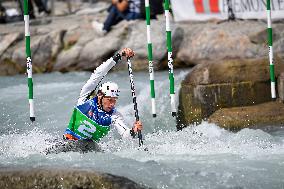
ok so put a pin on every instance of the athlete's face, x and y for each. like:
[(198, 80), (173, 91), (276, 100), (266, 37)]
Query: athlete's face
[(108, 103)]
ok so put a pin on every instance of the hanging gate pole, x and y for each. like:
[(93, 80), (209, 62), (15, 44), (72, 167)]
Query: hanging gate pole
[(270, 41), (134, 98), (150, 58), (170, 59), (29, 60)]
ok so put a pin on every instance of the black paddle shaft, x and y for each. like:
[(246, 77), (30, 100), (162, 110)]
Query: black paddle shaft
[(134, 98)]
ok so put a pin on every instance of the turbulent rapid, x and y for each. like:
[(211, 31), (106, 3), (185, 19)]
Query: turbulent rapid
[(200, 156)]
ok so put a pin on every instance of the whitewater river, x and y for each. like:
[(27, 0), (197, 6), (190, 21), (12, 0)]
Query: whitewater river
[(202, 156)]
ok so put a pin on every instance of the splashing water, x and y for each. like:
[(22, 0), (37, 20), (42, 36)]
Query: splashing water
[(200, 156)]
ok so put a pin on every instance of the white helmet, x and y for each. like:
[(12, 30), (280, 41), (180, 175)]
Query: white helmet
[(109, 89)]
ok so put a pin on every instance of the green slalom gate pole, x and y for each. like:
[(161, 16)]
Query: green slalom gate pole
[(29, 60), (150, 58), (271, 64), (170, 59)]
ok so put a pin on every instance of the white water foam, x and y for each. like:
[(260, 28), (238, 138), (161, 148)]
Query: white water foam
[(203, 139), (22, 145)]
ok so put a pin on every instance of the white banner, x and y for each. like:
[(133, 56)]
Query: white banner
[(218, 9)]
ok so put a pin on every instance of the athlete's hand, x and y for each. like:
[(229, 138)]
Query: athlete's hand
[(137, 126), (127, 52)]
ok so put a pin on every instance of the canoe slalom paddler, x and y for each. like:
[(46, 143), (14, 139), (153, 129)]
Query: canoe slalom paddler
[(93, 117)]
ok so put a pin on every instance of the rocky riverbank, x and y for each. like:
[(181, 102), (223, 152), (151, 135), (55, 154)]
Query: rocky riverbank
[(70, 43)]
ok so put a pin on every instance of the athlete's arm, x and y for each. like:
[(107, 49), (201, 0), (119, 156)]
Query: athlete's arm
[(119, 124), (121, 127), (96, 77), (100, 72)]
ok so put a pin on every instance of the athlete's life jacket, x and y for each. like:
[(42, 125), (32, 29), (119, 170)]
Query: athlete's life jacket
[(88, 121)]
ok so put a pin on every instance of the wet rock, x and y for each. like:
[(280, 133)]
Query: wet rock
[(74, 42), (228, 40), (43, 49), (137, 40), (231, 71), (9, 67), (49, 179), (100, 49), (237, 118), (8, 40), (70, 39), (67, 59), (280, 87), (212, 86)]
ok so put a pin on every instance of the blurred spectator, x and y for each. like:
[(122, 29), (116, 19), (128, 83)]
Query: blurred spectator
[(41, 7), (118, 11), (45, 3), (156, 7), (8, 15), (2, 14)]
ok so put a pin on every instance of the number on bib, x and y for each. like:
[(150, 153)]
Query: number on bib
[(87, 129)]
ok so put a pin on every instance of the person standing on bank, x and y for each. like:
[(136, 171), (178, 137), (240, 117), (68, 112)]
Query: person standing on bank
[(93, 118), (118, 11)]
